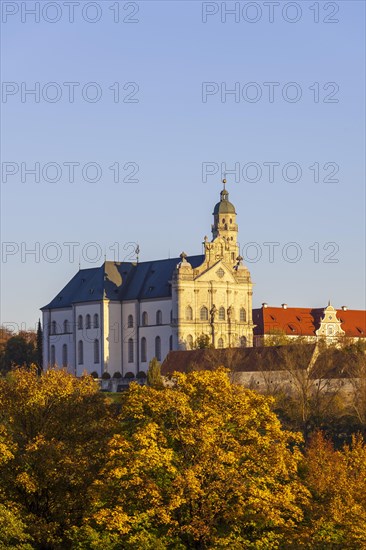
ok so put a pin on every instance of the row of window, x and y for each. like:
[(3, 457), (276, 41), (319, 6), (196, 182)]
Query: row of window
[(80, 324), (88, 321), (143, 349), (80, 353), (220, 342), (64, 356), (204, 314), (221, 314), (145, 319)]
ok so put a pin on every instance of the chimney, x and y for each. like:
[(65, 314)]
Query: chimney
[(264, 305), (284, 306), (344, 308)]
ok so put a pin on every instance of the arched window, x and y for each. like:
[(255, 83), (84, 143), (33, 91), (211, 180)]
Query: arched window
[(243, 342), (88, 321), (189, 313), (96, 320), (80, 352), (143, 350), (223, 220), (54, 327), (220, 343), (130, 321), (170, 343), (243, 315), (158, 348), (96, 351), (189, 341), (130, 350), (80, 322), (204, 314), (159, 317), (53, 356), (222, 314), (64, 355), (145, 319)]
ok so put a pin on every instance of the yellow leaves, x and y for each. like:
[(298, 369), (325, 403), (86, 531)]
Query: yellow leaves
[(197, 460), (54, 445), (7, 447), (337, 483), (24, 481), (201, 464), (114, 520)]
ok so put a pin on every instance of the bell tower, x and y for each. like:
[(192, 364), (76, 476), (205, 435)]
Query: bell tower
[(225, 225)]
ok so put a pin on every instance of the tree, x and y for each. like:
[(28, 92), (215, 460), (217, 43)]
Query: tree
[(12, 530), (203, 342), (335, 517), (201, 464), (13, 534), (5, 334), (56, 428), (39, 346), (276, 337), (354, 364), (313, 398), (154, 379), (17, 352)]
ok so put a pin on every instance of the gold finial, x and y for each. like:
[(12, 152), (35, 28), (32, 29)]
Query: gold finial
[(224, 182)]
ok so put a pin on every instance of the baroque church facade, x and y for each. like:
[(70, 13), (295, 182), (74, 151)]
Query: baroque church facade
[(117, 317)]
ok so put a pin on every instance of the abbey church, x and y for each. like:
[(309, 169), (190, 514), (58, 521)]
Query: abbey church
[(115, 318)]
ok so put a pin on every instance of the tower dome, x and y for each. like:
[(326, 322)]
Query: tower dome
[(224, 206)]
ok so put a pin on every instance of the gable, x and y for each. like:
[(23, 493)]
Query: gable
[(218, 273)]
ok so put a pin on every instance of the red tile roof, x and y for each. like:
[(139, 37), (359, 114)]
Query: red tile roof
[(297, 321)]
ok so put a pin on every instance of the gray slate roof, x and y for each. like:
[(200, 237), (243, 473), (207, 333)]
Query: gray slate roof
[(120, 281)]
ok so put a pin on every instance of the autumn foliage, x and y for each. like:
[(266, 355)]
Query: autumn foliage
[(200, 464)]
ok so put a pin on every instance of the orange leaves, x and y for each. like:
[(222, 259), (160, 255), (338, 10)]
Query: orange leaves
[(337, 483)]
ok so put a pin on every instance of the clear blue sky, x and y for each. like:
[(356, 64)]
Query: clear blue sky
[(170, 132)]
